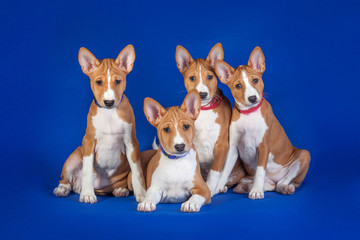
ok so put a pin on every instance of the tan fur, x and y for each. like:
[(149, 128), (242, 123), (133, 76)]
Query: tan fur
[(98, 70), (275, 139), (223, 110), (169, 118)]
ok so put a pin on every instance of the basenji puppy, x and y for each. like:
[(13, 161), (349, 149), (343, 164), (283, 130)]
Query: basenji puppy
[(109, 149), (272, 163), (212, 126), (173, 174)]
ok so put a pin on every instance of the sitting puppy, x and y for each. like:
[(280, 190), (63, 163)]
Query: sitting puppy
[(212, 126), (109, 148), (256, 135), (173, 174)]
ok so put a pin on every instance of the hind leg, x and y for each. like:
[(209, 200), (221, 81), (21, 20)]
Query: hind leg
[(237, 174), (296, 174), (244, 185), (70, 175)]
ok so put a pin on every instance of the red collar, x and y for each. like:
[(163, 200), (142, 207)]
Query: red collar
[(215, 101), (250, 110)]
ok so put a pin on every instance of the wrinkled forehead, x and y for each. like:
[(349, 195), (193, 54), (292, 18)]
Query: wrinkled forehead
[(107, 66), (174, 115), (199, 64), (244, 72)]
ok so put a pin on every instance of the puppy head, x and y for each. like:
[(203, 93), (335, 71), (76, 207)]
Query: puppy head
[(107, 76), (199, 74), (245, 82), (175, 125)]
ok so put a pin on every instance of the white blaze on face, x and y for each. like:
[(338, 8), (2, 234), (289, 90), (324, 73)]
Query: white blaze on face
[(201, 87), (109, 94), (178, 139), (249, 89)]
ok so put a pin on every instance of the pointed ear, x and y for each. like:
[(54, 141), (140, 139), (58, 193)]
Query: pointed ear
[(216, 53), (88, 61), (183, 58), (257, 60), (126, 58), (154, 112), (224, 71), (192, 104)]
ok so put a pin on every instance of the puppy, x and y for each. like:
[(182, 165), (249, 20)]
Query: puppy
[(173, 174), (109, 149), (212, 126), (256, 135)]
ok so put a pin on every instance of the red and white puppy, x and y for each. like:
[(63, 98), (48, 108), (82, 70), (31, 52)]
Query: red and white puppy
[(212, 126), (173, 174), (256, 135), (109, 149)]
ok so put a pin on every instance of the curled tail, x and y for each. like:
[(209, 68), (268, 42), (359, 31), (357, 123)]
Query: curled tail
[(154, 145)]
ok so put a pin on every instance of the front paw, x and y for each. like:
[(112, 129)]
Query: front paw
[(190, 206), (146, 206), (256, 193), (88, 198)]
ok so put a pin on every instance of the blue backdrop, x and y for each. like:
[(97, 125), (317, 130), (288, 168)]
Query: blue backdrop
[(312, 81)]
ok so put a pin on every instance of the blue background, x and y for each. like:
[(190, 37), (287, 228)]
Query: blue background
[(312, 81)]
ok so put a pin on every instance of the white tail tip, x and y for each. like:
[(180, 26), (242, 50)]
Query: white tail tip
[(154, 145)]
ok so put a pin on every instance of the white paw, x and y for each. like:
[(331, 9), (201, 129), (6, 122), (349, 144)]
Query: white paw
[(62, 190), (88, 198), (256, 193), (190, 206), (146, 206), (121, 192)]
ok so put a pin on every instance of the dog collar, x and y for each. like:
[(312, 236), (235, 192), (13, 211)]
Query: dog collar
[(172, 156), (97, 104), (215, 101), (250, 110)]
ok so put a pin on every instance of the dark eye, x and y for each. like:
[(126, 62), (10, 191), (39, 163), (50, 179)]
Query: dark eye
[(255, 81), (99, 82), (210, 77), (117, 82), (167, 129), (238, 86), (192, 78), (186, 126)]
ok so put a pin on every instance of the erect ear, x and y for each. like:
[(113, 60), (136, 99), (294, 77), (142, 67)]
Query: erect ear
[(224, 71), (126, 58), (216, 53), (257, 60), (192, 104), (154, 112), (88, 61), (183, 58)]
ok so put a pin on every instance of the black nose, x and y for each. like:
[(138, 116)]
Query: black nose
[(252, 99), (179, 147), (203, 95), (109, 103)]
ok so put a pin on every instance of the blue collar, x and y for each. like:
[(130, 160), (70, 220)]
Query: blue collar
[(97, 104), (172, 156)]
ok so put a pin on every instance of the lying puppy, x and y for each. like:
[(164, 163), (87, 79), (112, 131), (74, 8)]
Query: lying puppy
[(212, 126), (256, 135), (109, 148), (173, 174)]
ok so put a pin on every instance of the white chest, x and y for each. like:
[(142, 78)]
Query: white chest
[(174, 177), (207, 131), (110, 132), (250, 130)]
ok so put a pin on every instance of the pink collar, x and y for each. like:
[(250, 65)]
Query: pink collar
[(215, 101), (250, 110)]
